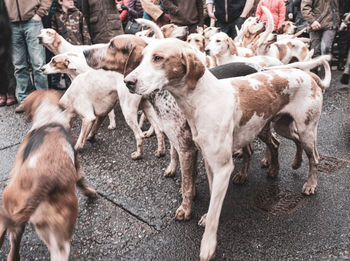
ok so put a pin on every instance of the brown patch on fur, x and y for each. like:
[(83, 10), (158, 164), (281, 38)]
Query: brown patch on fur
[(282, 51), (304, 52), (231, 46), (309, 116), (194, 69), (266, 101), (56, 41), (315, 85), (72, 54)]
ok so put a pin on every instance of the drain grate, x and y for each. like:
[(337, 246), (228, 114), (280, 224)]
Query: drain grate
[(329, 164), (276, 200)]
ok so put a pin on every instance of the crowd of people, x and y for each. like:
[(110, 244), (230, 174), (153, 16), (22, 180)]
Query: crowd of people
[(88, 22)]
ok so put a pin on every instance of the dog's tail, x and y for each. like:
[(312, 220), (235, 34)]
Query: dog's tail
[(307, 65), (269, 28), (157, 32)]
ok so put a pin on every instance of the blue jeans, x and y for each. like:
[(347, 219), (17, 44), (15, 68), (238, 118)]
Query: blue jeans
[(27, 48)]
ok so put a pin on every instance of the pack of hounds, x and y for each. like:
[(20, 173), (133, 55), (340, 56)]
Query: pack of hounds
[(204, 91)]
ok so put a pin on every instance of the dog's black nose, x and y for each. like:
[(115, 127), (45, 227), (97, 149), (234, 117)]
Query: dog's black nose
[(207, 51), (131, 84), (219, 30), (42, 69), (86, 53)]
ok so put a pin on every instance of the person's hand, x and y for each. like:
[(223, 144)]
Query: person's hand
[(315, 26), (36, 17), (290, 16), (212, 16), (124, 7)]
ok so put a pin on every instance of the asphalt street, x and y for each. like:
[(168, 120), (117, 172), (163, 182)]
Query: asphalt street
[(263, 219)]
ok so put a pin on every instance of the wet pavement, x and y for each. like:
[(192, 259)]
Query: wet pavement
[(263, 219)]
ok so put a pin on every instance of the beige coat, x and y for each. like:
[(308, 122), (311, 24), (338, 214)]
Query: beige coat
[(24, 10)]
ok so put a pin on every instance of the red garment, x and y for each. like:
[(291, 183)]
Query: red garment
[(277, 9), (124, 13)]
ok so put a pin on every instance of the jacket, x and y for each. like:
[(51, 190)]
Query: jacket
[(103, 20), (135, 10), (277, 9), (71, 26), (24, 10), (321, 11), (227, 11), (184, 12)]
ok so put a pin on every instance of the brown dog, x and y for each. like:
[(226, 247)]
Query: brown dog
[(41, 188)]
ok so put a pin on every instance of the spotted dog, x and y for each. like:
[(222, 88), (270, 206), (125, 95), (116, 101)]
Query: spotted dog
[(226, 115), (41, 187)]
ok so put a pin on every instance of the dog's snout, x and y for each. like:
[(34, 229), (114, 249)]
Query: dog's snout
[(131, 84), (86, 53)]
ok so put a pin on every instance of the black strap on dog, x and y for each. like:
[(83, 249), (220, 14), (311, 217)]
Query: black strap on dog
[(334, 14)]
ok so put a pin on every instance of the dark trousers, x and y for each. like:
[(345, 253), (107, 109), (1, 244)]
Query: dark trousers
[(230, 28)]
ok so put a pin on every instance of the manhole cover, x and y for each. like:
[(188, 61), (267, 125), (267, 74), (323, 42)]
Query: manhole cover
[(276, 200), (329, 164)]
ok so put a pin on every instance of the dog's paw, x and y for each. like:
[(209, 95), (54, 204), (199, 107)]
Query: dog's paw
[(208, 246), (183, 213), (148, 133), (112, 126), (78, 147), (202, 221), (159, 153), (91, 139), (264, 164), (239, 178), (169, 172), (90, 192), (136, 155), (309, 189), (238, 153)]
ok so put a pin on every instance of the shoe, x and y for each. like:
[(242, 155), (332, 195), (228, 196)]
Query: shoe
[(344, 78), (11, 100), (340, 67), (2, 100)]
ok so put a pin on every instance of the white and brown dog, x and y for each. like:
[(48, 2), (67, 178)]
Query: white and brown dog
[(240, 110), (41, 188)]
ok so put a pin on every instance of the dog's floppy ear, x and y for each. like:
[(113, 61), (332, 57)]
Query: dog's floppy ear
[(70, 65), (280, 30), (133, 60), (57, 40), (231, 46), (194, 68)]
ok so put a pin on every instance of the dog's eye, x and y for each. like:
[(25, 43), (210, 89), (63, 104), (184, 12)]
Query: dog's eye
[(218, 41), (157, 58), (172, 26), (188, 40), (53, 62), (196, 40)]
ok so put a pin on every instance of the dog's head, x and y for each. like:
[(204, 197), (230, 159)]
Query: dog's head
[(122, 54), (197, 41), (209, 32), (61, 63), (220, 44), (253, 25), (34, 100), (49, 38), (174, 31), (166, 63), (287, 27)]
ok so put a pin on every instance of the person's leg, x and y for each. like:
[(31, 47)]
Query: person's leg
[(19, 58), (342, 46), (327, 41), (36, 53), (11, 89), (223, 26), (315, 44)]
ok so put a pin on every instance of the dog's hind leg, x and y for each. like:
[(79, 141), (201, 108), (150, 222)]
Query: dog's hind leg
[(242, 175), (86, 126), (96, 127), (266, 136), (15, 239), (285, 126), (111, 116)]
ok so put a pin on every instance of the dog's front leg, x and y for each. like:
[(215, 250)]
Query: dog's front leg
[(222, 168), (153, 119), (111, 116), (171, 169), (188, 163), (86, 126)]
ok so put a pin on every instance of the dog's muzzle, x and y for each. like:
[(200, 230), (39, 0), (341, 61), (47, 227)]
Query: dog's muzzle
[(131, 85)]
